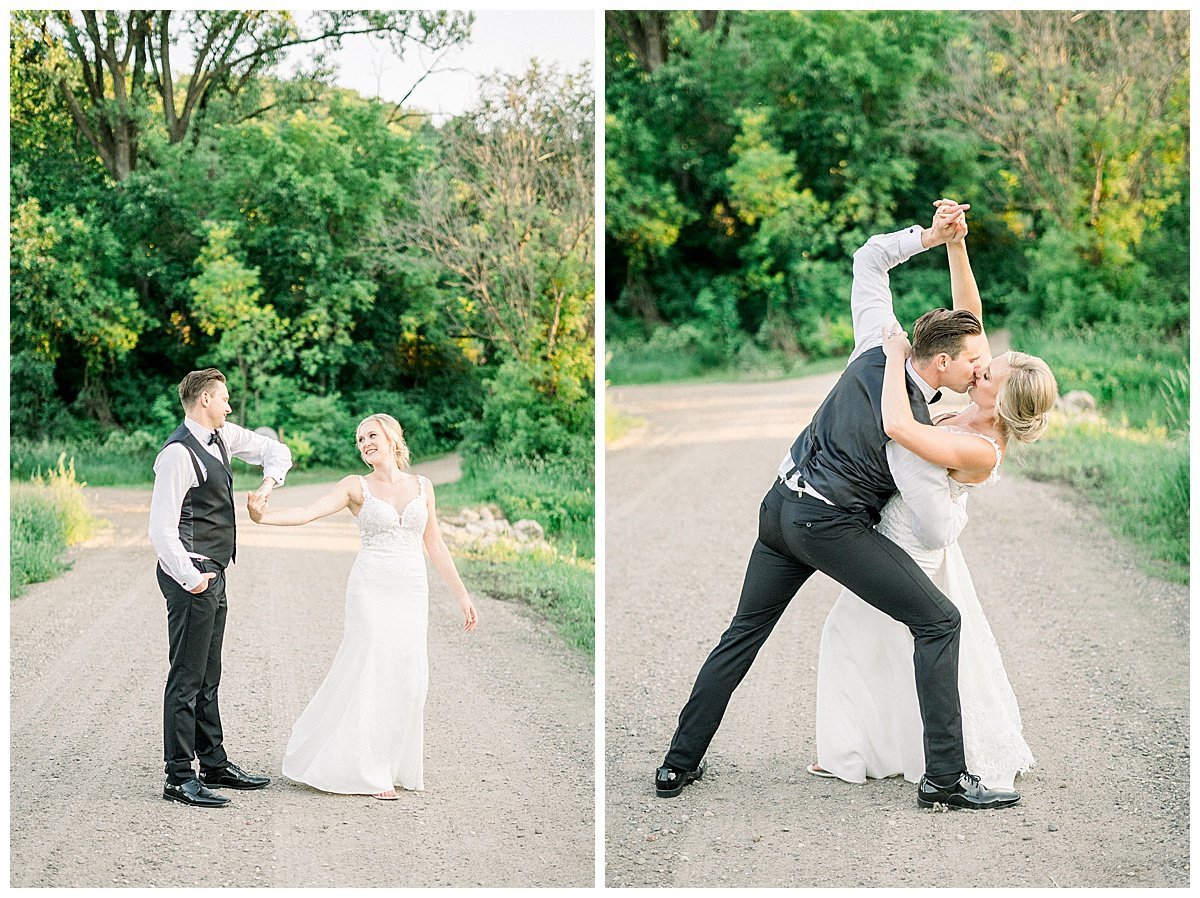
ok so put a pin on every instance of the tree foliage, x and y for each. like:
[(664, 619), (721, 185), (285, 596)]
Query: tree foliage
[(750, 152), (251, 237), (507, 213), (117, 73)]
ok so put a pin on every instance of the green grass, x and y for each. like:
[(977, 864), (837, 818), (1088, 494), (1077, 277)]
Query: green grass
[(562, 590), (617, 423), (1141, 380), (559, 583), (628, 364), (45, 517), (116, 464), (1139, 478), (559, 495)]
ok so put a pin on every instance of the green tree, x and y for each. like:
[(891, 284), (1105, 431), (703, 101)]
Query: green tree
[(506, 216), (117, 72), (227, 303), (65, 300), (507, 213)]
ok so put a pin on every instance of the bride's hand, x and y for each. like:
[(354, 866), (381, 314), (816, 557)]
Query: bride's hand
[(470, 615), (895, 342)]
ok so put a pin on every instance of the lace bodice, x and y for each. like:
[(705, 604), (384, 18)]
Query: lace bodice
[(381, 526), (896, 518)]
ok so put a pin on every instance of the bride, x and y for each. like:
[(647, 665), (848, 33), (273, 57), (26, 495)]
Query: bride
[(868, 720), (362, 733)]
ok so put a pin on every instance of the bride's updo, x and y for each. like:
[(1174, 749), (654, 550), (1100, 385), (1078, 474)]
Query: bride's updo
[(395, 435), (1024, 400)]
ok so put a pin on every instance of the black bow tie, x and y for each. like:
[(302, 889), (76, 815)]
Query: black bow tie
[(935, 397)]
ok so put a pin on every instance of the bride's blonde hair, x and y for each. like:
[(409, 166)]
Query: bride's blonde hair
[(395, 435), (1024, 400)]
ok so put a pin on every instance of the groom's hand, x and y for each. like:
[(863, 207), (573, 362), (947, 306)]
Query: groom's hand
[(264, 488), (203, 584)]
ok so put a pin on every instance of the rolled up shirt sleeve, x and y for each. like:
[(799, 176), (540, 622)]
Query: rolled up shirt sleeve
[(173, 477), (937, 517), (271, 455)]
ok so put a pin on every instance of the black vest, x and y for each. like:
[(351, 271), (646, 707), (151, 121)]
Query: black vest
[(842, 453), (206, 521)]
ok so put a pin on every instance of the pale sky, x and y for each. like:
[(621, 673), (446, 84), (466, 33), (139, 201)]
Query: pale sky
[(500, 41)]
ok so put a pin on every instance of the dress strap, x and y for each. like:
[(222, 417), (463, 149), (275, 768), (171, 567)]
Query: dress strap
[(362, 480)]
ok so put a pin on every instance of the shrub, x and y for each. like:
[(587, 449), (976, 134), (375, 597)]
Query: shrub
[(46, 517), (533, 409)]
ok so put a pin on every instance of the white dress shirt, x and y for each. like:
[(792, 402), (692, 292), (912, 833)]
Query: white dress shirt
[(174, 475), (938, 518)]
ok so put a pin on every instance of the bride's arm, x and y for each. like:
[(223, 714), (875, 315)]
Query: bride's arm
[(443, 562), (957, 451), (344, 495), (963, 288)]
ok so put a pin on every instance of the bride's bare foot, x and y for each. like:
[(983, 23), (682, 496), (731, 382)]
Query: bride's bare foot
[(389, 795)]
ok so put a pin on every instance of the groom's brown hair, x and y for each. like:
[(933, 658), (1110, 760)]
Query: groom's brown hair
[(943, 330), (195, 383)]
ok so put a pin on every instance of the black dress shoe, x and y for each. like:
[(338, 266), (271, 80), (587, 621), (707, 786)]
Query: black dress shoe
[(193, 793), (669, 781), (233, 777), (966, 792)]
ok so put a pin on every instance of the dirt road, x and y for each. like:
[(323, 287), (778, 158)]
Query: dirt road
[(510, 709), (1097, 653)]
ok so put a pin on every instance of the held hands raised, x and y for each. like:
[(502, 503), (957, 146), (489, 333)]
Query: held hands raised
[(895, 342), (948, 213), (256, 504)]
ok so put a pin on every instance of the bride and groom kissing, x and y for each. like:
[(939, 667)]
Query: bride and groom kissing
[(873, 493), (362, 732)]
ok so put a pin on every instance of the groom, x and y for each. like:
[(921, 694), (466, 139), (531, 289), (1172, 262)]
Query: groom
[(193, 530), (820, 515)]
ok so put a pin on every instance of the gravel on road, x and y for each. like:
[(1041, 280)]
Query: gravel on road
[(1097, 652), (509, 708)]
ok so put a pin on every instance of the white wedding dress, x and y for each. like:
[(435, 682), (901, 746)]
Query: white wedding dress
[(868, 719), (363, 731)]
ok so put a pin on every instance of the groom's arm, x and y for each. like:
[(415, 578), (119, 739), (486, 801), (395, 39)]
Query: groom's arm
[(871, 293), (271, 455), (173, 477)]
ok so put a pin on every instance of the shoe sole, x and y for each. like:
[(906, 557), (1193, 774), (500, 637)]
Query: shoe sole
[(195, 804), (229, 786), (991, 806)]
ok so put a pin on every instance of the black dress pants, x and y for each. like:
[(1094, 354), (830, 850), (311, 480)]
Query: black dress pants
[(191, 717), (798, 535)]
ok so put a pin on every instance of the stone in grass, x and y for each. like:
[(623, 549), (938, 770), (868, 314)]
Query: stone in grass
[(526, 528)]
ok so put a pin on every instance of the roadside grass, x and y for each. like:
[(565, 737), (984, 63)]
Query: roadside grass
[(618, 423), (46, 515), (1139, 478), (558, 583), (559, 495), (1132, 461), (105, 466), (629, 364)]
